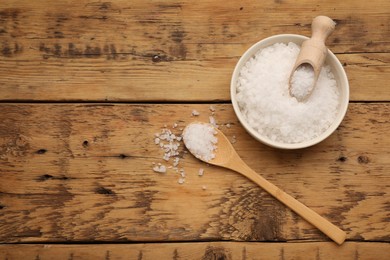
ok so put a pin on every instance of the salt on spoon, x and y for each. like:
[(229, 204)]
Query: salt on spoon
[(210, 145), (311, 58)]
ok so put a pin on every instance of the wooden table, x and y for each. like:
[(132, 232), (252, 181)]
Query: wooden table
[(85, 85)]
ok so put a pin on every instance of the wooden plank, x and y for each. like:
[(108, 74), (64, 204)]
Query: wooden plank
[(205, 251), (83, 172), (134, 51)]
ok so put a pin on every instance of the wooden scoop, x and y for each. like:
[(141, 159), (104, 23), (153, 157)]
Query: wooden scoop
[(227, 157), (313, 53)]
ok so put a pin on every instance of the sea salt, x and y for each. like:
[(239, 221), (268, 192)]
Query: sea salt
[(213, 121), (195, 113), (302, 82), (200, 139), (182, 173), (201, 172), (265, 102), (176, 162), (160, 168), (169, 143)]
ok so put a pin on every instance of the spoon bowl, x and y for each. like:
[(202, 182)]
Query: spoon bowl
[(227, 157)]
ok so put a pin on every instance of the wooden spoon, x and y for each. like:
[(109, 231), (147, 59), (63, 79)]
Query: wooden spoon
[(313, 53), (227, 157)]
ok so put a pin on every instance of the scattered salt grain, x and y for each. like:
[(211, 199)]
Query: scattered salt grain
[(195, 113), (212, 109), (181, 180), (166, 156), (200, 139), (168, 141), (302, 82), (201, 172), (204, 187), (265, 103), (213, 121), (234, 140), (228, 125), (174, 125), (176, 161), (160, 168)]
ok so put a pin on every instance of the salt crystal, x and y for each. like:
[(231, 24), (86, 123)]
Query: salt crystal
[(265, 102), (166, 156), (176, 161), (200, 139), (204, 187), (302, 82), (213, 121), (228, 125), (174, 125), (195, 113), (156, 140), (160, 169), (181, 180), (212, 109), (201, 172)]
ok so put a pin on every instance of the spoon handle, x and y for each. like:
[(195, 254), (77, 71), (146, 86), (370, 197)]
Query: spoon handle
[(335, 233)]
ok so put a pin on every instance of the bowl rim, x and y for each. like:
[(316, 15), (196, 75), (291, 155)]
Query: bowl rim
[(344, 102)]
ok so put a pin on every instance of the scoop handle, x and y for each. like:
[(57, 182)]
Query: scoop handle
[(313, 51), (329, 229), (321, 28)]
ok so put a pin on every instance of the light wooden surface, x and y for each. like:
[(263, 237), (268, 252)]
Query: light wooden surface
[(85, 85), (204, 251), (135, 51), (84, 172)]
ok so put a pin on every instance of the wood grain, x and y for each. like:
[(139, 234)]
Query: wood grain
[(171, 51), (83, 172), (204, 251)]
